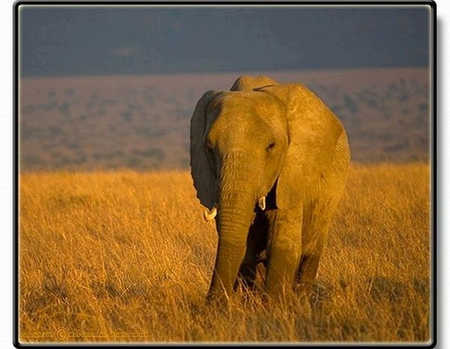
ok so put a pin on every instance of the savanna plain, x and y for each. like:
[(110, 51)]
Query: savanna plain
[(120, 252)]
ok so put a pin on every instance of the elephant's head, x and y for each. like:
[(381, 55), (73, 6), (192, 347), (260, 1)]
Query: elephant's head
[(243, 146)]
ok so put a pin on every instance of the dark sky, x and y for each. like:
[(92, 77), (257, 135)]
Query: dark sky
[(69, 40)]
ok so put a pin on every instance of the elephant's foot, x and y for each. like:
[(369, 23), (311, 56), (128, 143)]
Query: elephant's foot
[(304, 291), (217, 299)]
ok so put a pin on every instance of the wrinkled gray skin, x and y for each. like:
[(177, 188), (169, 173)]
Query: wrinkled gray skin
[(279, 141)]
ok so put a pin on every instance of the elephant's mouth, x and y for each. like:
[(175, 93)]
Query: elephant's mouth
[(265, 203)]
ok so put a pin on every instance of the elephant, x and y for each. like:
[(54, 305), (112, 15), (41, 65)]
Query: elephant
[(269, 162)]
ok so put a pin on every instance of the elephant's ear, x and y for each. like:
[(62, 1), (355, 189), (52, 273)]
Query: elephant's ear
[(313, 132), (201, 171), (246, 82)]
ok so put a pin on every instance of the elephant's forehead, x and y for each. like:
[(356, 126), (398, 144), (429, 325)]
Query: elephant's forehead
[(241, 102), (244, 115)]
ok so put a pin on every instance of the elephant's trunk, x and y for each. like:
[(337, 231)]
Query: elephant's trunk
[(235, 214)]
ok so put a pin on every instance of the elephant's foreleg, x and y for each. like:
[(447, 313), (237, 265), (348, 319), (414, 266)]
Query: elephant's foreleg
[(284, 251)]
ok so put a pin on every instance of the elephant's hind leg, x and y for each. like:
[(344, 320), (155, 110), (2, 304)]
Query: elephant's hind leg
[(256, 244), (308, 266), (306, 274)]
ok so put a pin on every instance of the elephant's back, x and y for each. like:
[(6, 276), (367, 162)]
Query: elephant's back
[(247, 82)]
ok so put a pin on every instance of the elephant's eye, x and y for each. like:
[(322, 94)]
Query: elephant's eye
[(270, 146)]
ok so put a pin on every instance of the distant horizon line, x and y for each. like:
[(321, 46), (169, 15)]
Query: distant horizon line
[(221, 72)]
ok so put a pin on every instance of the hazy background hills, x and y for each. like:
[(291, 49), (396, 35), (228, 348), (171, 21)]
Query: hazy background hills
[(105, 87), (142, 122)]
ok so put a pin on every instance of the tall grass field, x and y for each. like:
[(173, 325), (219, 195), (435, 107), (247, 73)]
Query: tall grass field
[(126, 256)]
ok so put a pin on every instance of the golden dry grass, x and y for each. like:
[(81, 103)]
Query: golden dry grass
[(126, 257)]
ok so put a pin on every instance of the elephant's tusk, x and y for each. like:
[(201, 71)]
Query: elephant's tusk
[(262, 203), (209, 215)]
